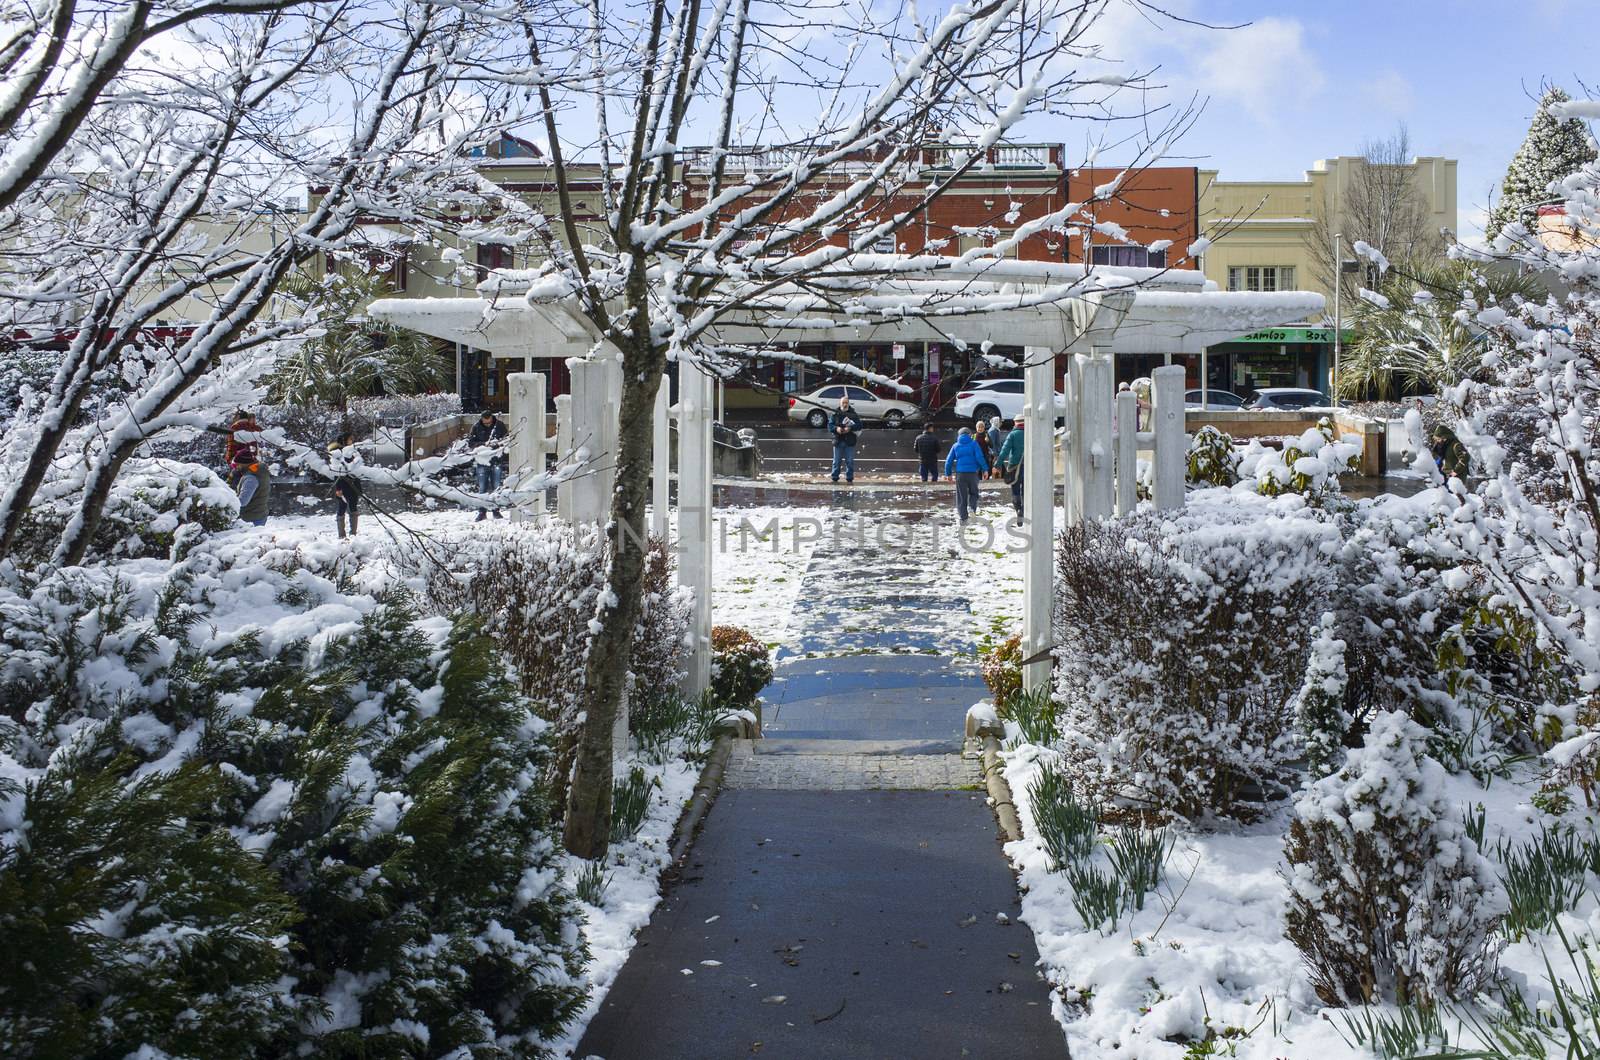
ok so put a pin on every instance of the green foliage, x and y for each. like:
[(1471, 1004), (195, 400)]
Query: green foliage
[(341, 850), (1035, 712), (592, 881), (1097, 896), (1212, 459), (1139, 858), (630, 803), (666, 723), (1067, 827), (741, 666), (1404, 1033), (1002, 672), (1545, 876), (356, 355), (1417, 344)]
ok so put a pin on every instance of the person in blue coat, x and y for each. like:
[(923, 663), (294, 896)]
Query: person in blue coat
[(966, 464)]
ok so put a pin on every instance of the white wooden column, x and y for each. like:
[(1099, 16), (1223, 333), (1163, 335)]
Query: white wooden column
[(564, 490), (1038, 510), (1094, 448), (596, 398), (1127, 451), (660, 461), (1072, 479), (526, 459), (1172, 443), (695, 397)]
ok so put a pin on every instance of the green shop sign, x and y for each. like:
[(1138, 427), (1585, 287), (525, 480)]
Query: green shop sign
[(1281, 335)]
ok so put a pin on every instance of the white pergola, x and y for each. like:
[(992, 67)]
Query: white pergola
[(1016, 303)]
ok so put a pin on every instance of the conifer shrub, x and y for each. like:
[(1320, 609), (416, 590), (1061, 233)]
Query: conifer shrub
[(1169, 699), (1319, 707), (229, 844), (741, 666), (1389, 897)]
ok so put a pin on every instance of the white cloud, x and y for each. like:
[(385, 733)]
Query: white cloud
[(1264, 67), (1390, 94)]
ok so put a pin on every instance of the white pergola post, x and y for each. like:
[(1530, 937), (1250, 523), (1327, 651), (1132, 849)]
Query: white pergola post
[(1171, 444), (1038, 509), (696, 395), (526, 459), (596, 396), (660, 461), (1127, 452), (1094, 446), (564, 490), (1072, 477)]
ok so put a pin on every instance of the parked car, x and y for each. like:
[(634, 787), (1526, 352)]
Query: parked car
[(997, 397), (1215, 401), (1288, 397), (815, 408)]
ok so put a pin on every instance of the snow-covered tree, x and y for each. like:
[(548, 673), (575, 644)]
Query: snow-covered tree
[(826, 129), (1319, 708), (1554, 149), (146, 152)]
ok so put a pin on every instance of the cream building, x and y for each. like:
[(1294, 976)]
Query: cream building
[(1263, 231)]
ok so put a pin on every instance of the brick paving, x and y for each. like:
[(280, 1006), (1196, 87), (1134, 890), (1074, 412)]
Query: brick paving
[(852, 772)]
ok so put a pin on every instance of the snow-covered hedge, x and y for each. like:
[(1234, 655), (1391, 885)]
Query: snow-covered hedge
[(1309, 465), (148, 504), (1182, 644), (246, 811), (1213, 461), (1390, 898)]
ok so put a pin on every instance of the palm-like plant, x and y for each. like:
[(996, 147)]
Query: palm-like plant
[(353, 355), (1416, 342)]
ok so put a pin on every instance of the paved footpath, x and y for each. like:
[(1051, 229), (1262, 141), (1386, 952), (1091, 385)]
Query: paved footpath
[(847, 897)]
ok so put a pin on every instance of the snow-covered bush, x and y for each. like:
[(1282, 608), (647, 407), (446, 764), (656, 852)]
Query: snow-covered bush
[(537, 588), (247, 813), (1170, 698), (1002, 672), (741, 666), (148, 504), (1309, 465), (1319, 706), (1390, 898), (1213, 461)]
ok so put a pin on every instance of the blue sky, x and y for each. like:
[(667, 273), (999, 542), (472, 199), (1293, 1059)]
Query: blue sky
[(1305, 81)]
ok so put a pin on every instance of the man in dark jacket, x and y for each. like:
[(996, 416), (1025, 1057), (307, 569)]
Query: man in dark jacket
[(927, 447), (966, 464), (485, 440), (844, 425)]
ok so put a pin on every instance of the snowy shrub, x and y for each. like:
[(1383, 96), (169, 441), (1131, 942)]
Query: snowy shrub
[(1319, 706), (305, 822), (1002, 672), (1390, 898), (741, 666), (148, 504), (1168, 700), (1213, 461), (1309, 465)]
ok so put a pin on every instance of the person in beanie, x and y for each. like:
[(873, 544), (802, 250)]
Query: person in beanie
[(1011, 464), (487, 435), (237, 451), (980, 434), (844, 425), (966, 464), (927, 446), (342, 457), (253, 482)]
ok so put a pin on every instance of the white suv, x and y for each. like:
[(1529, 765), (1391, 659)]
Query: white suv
[(997, 397)]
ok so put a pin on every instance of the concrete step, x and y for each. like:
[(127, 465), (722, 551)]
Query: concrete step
[(808, 744)]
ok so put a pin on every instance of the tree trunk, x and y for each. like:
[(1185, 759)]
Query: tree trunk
[(588, 824)]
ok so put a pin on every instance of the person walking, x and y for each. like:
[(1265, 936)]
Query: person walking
[(485, 441), (997, 438), (927, 446), (1011, 463), (966, 463), (980, 434), (342, 460), (844, 425)]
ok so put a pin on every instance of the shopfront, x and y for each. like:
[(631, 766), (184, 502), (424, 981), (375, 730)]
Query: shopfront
[(1275, 357)]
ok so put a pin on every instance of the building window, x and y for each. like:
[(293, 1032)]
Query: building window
[(1129, 257), (1261, 278)]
